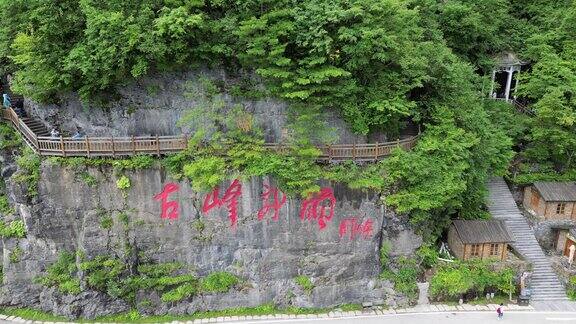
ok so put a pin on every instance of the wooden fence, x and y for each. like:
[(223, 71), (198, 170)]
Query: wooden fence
[(162, 145)]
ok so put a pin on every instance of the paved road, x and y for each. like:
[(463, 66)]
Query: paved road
[(429, 318), (438, 318)]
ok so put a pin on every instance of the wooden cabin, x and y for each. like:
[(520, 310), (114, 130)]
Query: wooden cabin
[(551, 200), (483, 239)]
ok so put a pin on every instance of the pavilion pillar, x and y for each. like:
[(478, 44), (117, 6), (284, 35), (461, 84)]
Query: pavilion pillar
[(510, 71)]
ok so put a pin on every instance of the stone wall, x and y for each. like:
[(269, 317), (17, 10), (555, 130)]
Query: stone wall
[(339, 253), (545, 231), (154, 105)]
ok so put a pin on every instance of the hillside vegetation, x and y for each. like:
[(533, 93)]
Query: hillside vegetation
[(378, 63)]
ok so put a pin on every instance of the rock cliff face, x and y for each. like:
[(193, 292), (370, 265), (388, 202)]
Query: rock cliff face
[(246, 228), (153, 106)]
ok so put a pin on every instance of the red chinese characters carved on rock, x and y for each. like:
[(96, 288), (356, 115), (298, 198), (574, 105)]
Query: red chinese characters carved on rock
[(319, 207), (170, 209), (230, 199), (352, 228), (275, 204)]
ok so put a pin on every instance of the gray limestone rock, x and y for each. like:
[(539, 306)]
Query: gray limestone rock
[(339, 252), (139, 111)]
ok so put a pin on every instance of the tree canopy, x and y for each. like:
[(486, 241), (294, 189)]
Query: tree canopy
[(378, 63)]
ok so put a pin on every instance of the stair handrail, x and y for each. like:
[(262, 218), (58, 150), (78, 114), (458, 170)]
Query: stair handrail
[(157, 145)]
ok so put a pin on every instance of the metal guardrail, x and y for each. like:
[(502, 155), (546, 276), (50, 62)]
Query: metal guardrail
[(162, 145)]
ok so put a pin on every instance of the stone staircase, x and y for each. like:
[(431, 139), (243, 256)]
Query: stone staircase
[(545, 284)]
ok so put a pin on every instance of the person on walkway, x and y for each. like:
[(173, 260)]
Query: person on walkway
[(77, 135), (54, 133), (500, 311), (6, 102)]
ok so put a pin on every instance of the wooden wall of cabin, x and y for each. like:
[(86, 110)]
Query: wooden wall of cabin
[(485, 251), (454, 243), (546, 210)]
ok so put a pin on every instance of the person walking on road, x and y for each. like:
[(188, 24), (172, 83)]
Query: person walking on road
[(500, 311)]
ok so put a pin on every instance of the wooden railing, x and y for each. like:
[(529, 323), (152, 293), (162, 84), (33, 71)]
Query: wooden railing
[(161, 145)]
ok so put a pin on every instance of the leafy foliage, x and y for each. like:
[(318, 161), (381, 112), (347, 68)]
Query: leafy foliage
[(123, 183), (5, 205), (15, 255), (120, 280), (571, 288), (137, 162), (9, 138), (16, 229), (453, 280), (379, 64), (428, 255), (29, 171), (218, 282), (61, 274), (305, 283), (404, 277)]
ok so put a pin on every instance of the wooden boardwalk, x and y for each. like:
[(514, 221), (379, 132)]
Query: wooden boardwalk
[(163, 145)]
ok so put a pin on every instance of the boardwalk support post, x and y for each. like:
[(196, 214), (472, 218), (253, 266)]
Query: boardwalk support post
[(376, 149), (157, 146), (133, 146), (88, 146), (62, 146), (113, 148)]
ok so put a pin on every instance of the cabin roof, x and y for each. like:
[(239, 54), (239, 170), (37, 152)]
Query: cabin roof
[(556, 191), (482, 231)]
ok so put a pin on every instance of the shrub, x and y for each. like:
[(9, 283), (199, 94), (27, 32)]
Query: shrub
[(221, 281), (124, 218), (428, 255), (88, 179), (123, 183), (106, 222), (305, 283), (571, 288), (137, 162), (475, 277), (384, 254), (71, 287), (29, 171), (179, 293), (5, 206), (9, 138), (112, 276), (406, 276), (62, 274), (15, 255), (206, 172), (16, 229)]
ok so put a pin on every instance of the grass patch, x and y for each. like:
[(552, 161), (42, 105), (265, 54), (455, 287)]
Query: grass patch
[(351, 307), (134, 317), (266, 309)]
